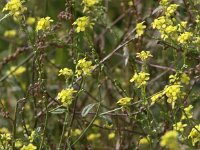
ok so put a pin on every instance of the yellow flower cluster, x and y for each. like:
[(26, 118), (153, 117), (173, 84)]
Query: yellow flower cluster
[(171, 10), (111, 135), (156, 97), (140, 29), (164, 25), (140, 79), (143, 55), (181, 26), (43, 24), (179, 126), (172, 92), (32, 136), (76, 132), (5, 137), (179, 78), (171, 29), (167, 25), (170, 140), (195, 134), (29, 147), (93, 136), (10, 33), (83, 67), (144, 140), (124, 101), (15, 8), (161, 23), (82, 23), (17, 71), (18, 143), (66, 96), (164, 2), (30, 20), (66, 72), (185, 37), (187, 114), (89, 3), (185, 78)]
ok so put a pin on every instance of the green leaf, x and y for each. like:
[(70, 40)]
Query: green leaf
[(58, 111), (87, 109)]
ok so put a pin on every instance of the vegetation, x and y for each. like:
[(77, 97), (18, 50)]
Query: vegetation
[(99, 74)]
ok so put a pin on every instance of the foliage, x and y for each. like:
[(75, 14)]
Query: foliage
[(99, 74)]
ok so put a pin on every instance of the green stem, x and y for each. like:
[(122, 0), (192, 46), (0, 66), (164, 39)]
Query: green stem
[(14, 127), (45, 126), (63, 130)]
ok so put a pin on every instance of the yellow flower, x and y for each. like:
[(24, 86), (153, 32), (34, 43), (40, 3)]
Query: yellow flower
[(187, 112), (140, 79), (171, 9), (124, 101), (163, 25), (184, 37), (16, 72), (173, 79), (179, 126), (76, 132), (93, 136), (170, 140), (156, 97), (18, 144), (172, 92), (197, 19), (30, 20), (66, 96), (29, 147), (66, 72), (111, 135), (89, 3), (164, 2), (140, 29), (5, 136), (15, 8), (10, 33), (32, 136), (84, 67), (182, 26), (97, 122), (143, 55), (171, 29), (82, 23), (43, 24), (185, 78), (195, 134), (4, 130), (144, 140), (130, 3)]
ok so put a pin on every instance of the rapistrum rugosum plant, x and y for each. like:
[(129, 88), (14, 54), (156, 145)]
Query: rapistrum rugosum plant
[(99, 74)]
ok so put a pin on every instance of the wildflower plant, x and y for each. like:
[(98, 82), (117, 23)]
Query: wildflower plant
[(15, 8), (140, 29), (99, 74), (140, 79), (43, 24), (170, 140), (66, 96), (82, 23)]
